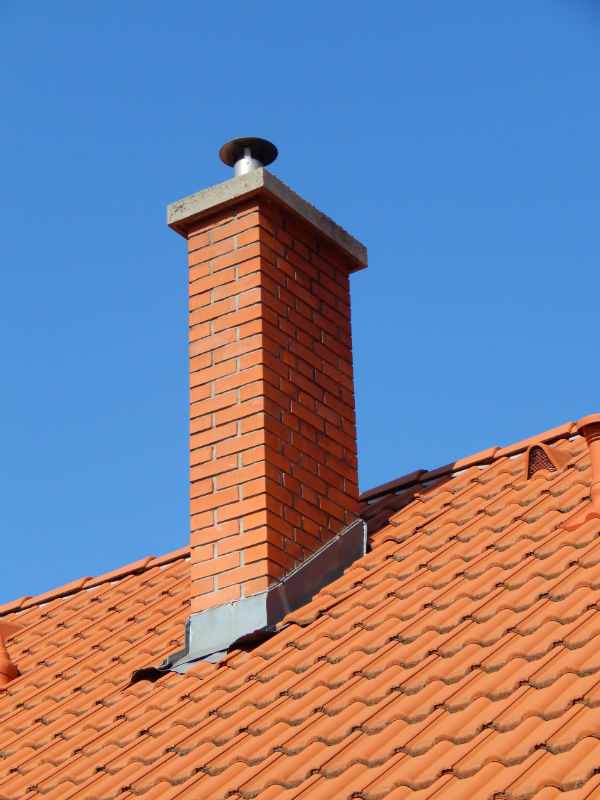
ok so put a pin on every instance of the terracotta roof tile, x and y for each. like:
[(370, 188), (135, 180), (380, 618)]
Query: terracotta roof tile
[(458, 658)]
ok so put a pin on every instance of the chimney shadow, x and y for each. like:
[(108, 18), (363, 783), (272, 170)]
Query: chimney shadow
[(379, 505)]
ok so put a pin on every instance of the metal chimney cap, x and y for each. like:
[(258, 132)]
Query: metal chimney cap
[(247, 153)]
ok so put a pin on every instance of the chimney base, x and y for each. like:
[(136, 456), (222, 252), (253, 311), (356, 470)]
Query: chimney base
[(210, 633)]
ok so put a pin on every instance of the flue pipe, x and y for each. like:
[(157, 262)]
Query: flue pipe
[(247, 153), (589, 427), (8, 671)]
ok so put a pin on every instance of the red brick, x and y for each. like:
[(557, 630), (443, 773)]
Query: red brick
[(213, 311), (273, 244), (211, 221), (247, 206), (208, 376), (211, 342), (216, 598), (251, 328), (239, 379), (254, 455), (260, 519), (197, 395), (278, 525), (302, 268), (213, 435), (253, 487), (307, 542), (300, 232), (339, 320), (234, 544), (215, 500), (197, 241), (201, 455), (241, 574), (237, 349), (215, 566), (202, 587), (239, 443), (199, 300), (240, 411), (197, 332), (293, 549), (332, 432), (202, 520), (329, 477), (235, 226), (244, 474), (331, 508), (208, 405), (200, 362), (199, 258), (236, 257), (235, 318), (310, 495), (291, 483), (278, 429), (309, 511), (250, 297), (249, 266), (247, 507), (211, 252), (257, 421), (273, 488), (201, 283), (199, 488), (338, 260), (248, 360), (269, 553), (214, 533), (345, 468), (257, 585), (203, 553), (215, 467), (247, 237)]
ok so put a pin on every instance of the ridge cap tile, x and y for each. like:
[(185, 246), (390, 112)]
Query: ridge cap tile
[(546, 437), (489, 454), (89, 582), (389, 486)]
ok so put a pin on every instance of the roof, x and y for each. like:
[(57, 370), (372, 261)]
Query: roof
[(460, 657)]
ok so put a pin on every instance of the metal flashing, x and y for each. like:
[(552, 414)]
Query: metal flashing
[(185, 212), (209, 634)]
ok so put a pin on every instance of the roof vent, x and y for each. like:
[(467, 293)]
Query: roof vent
[(541, 456), (538, 460), (247, 153)]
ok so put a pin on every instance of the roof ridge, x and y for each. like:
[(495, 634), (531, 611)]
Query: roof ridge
[(419, 476), (482, 457), (88, 582)]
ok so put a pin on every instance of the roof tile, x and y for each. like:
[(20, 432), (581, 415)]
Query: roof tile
[(458, 658)]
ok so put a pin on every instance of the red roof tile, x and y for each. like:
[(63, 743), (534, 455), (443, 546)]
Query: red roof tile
[(458, 658)]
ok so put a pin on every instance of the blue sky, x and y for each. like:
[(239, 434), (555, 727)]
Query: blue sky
[(457, 140)]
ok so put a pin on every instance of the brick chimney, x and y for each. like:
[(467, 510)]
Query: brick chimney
[(273, 466)]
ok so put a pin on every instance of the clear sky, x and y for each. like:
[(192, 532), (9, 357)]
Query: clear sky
[(457, 139)]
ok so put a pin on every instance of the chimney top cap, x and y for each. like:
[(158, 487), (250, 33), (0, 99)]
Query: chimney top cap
[(255, 152)]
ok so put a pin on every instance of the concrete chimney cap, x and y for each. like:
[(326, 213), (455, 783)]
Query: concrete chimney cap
[(260, 150)]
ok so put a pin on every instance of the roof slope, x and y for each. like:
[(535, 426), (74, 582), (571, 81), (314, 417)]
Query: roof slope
[(459, 658)]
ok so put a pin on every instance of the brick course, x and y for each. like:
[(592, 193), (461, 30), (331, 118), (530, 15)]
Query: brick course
[(273, 463)]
